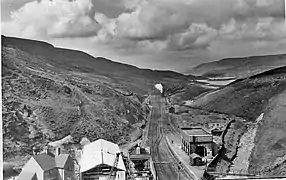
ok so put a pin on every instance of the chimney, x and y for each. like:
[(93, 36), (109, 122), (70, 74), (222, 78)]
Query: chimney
[(46, 150), (35, 151), (58, 151), (138, 150)]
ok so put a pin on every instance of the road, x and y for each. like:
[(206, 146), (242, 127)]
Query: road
[(165, 164)]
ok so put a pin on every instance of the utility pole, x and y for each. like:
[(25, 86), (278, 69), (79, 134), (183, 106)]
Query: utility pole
[(179, 169)]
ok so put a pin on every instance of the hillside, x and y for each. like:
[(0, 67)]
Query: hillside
[(49, 93), (239, 67), (268, 156), (245, 98), (256, 143)]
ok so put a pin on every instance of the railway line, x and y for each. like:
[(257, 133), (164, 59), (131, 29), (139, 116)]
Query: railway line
[(165, 163)]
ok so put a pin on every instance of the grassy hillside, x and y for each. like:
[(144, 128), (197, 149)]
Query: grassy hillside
[(257, 145), (49, 93), (245, 98), (239, 67), (44, 105), (268, 156)]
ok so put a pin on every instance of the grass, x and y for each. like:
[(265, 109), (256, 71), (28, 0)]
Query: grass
[(246, 98), (271, 140), (240, 67), (68, 92)]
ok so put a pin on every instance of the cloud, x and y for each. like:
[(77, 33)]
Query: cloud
[(57, 18), (262, 29), (195, 37), (189, 24), (156, 31)]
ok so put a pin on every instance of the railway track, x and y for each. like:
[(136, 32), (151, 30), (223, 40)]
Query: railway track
[(165, 162)]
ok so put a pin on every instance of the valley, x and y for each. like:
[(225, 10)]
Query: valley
[(50, 93)]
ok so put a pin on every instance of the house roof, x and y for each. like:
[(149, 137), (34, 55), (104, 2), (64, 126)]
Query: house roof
[(100, 152), (61, 160), (194, 155), (45, 161), (134, 149), (140, 156), (195, 131)]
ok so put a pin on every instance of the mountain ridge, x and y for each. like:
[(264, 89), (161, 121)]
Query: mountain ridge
[(41, 48), (239, 67)]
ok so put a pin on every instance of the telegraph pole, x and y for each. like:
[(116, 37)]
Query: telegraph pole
[(179, 169)]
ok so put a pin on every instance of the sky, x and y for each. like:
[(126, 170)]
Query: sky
[(157, 34)]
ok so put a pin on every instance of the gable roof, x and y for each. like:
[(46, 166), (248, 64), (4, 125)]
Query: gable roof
[(61, 160), (100, 152), (133, 150), (194, 155), (45, 161)]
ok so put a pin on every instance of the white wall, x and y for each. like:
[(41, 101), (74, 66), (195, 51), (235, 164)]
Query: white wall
[(32, 166)]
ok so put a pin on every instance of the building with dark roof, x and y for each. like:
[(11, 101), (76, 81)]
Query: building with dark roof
[(45, 166), (198, 141), (196, 160), (140, 157), (46, 162), (65, 166)]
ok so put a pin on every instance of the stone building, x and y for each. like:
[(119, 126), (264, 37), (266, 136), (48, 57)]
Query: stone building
[(199, 141)]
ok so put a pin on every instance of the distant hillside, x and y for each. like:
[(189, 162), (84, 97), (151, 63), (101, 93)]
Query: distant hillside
[(257, 143), (49, 93), (239, 67), (245, 97), (80, 61)]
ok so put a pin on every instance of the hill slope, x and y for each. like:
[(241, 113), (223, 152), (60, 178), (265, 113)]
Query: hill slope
[(258, 141), (268, 156), (49, 93), (239, 67), (245, 98)]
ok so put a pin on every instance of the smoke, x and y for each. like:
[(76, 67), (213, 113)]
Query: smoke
[(159, 87)]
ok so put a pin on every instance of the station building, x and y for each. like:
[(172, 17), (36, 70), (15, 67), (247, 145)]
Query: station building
[(198, 142)]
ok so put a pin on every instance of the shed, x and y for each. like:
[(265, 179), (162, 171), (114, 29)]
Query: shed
[(196, 160), (217, 132)]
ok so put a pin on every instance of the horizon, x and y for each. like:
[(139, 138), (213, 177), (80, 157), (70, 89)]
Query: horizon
[(174, 35), (184, 73)]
